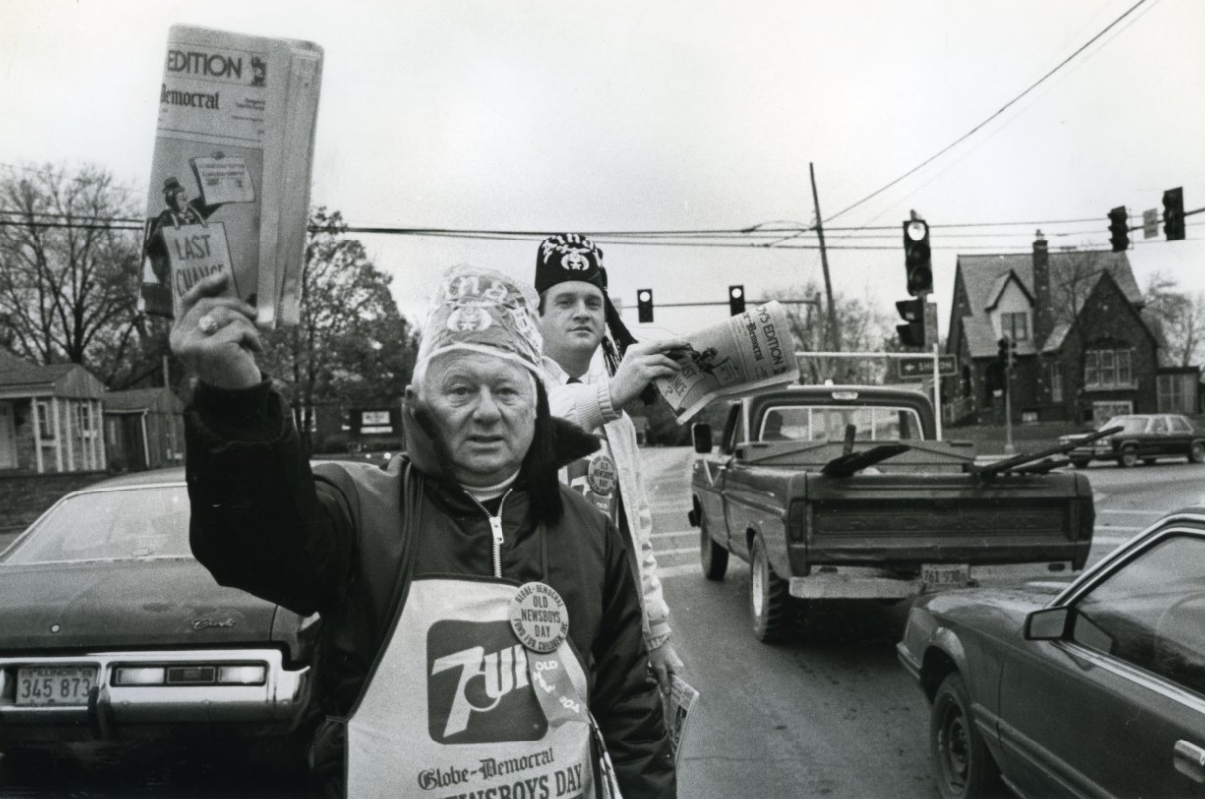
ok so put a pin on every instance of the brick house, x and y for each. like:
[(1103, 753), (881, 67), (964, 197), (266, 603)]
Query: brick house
[(1084, 350), (50, 418)]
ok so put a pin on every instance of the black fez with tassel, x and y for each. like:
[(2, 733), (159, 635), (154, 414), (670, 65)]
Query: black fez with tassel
[(573, 257)]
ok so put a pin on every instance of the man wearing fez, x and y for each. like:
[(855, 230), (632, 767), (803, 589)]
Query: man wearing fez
[(576, 317), (481, 625)]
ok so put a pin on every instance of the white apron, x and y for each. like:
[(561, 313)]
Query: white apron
[(458, 708)]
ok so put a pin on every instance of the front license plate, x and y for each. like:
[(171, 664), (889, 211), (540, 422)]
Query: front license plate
[(55, 685), (945, 575)]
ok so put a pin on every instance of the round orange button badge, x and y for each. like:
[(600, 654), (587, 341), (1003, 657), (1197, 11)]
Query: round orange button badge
[(539, 617)]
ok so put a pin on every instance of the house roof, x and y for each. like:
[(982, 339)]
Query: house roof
[(1073, 275), (143, 399), (19, 377)]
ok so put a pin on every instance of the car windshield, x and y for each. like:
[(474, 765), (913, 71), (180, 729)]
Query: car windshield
[(110, 525), (819, 423), (1129, 424)]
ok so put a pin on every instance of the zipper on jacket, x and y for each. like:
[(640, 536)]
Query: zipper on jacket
[(496, 530)]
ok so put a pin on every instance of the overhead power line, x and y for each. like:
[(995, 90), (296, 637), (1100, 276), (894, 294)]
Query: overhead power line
[(1002, 109)]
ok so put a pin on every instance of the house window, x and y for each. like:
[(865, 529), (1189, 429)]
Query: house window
[(83, 415), (1056, 381), (45, 422), (1015, 326), (1175, 393), (1107, 369)]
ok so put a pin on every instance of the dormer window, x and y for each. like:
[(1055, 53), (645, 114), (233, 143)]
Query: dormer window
[(1015, 325)]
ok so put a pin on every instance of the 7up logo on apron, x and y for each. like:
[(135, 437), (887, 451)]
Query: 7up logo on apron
[(478, 690)]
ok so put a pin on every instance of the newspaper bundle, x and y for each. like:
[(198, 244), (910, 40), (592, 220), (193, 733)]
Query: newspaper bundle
[(749, 351), (230, 178)]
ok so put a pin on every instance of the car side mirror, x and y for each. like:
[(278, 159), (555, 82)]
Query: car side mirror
[(700, 435), (1047, 624)]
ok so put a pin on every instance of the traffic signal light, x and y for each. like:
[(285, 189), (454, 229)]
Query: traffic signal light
[(916, 257), (1006, 353), (736, 300), (644, 305), (912, 334), (1173, 214), (1119, 228)]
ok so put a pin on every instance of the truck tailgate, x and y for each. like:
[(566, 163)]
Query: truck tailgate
[(907, 519)]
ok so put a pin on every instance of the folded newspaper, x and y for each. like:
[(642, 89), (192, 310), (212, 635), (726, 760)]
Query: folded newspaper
[(750, 351), (678, 705), (230, 176)]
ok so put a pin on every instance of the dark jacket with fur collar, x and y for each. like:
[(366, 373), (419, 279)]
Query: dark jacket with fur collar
[(264, 522)]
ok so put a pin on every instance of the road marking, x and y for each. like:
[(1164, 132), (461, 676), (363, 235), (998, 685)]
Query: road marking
[(678, 571), (1120, 512), (679, 532), (1110, 539), (1120, 528)]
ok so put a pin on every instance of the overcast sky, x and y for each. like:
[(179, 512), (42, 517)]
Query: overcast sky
[(553, 116)]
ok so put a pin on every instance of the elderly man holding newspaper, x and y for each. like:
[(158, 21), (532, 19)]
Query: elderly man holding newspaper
[(481, 623)]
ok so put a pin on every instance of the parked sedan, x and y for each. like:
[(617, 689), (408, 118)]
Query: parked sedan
[(110, 630), (1143, 437), (1097, 689)]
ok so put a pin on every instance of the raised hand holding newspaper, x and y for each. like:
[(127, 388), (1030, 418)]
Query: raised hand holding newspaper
[(231, 171), (749, 351)]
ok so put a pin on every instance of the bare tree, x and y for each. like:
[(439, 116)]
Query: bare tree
[(861, 328), (68, 274), (1180, 317)]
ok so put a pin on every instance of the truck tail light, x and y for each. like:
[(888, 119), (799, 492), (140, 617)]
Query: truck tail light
[(139, 675), (797, 522)]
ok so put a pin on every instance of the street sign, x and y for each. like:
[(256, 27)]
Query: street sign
[(1150, 223), (922, 366)]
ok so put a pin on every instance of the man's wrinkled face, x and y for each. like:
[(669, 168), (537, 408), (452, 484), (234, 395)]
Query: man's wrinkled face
[(485, 409), (573, 319)]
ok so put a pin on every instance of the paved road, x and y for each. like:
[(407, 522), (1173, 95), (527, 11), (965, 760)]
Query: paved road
[(832, 714)]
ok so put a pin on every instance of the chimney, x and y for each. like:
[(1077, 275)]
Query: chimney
[(1043, 316)]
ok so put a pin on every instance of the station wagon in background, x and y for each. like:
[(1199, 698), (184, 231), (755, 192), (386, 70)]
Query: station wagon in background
[(1144, 437), (1093, 688), (110, 630)]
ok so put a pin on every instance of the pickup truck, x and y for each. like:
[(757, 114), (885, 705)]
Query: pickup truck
[(842, 492)]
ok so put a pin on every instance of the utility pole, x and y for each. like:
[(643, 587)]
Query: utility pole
[(834, 333)]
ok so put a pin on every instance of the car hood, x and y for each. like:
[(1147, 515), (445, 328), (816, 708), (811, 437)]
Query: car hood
[(125, 605)]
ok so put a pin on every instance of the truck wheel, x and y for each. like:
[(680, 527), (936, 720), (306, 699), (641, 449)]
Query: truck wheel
[(1196, 453), (1080, 463), (712, 556), (768, 597), (1128, 457), (962, 765)]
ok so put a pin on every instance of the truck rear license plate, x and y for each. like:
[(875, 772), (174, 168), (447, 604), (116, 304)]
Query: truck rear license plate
[(945, 575), (55, 685)]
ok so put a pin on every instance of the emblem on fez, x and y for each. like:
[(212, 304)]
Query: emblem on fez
[(469, 319), (574, 261)]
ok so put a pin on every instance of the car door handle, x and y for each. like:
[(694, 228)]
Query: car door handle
[(1190, 760)]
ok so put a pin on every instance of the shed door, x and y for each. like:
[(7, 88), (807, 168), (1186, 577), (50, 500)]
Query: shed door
[(8, 437)]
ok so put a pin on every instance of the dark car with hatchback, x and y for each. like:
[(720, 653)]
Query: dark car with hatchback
[(110, 630), (1144, 437), (1093, 688)]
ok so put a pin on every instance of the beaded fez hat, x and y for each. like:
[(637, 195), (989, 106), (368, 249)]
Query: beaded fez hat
[(482, 310)]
